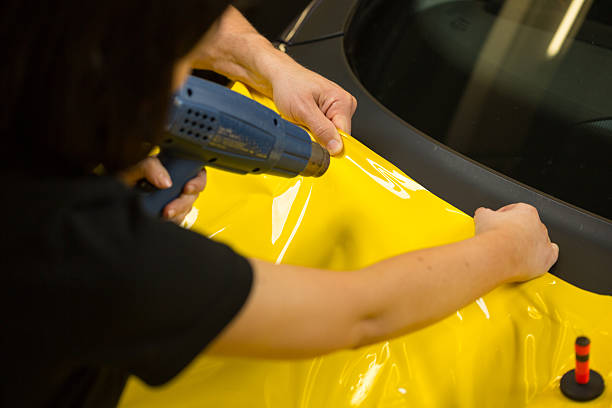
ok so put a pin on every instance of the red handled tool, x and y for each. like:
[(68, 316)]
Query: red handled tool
[(582, 383)]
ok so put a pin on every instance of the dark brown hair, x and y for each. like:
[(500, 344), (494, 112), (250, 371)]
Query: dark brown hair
[(87, 83)]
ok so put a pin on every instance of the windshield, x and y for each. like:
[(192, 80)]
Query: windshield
[(523, 87)]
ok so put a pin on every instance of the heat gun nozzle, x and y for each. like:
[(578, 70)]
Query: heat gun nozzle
[(318, 162)]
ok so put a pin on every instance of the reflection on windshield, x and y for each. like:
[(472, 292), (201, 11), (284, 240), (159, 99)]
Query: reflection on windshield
[(521, 86)]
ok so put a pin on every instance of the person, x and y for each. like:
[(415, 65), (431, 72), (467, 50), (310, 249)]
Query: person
[(94, 291)]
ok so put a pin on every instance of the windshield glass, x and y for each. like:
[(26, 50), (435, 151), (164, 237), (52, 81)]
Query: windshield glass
[(521, 86)]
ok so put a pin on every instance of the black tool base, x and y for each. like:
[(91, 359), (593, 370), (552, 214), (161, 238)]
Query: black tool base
[(582, 392)]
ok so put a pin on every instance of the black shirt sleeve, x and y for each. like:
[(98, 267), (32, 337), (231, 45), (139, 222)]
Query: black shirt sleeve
[(188, 289), (139, 294), (92, 291)]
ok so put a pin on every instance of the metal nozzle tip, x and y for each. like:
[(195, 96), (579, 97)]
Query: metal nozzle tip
[(318, 162)]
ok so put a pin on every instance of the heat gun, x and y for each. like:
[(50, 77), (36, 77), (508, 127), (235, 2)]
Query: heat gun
[(211, 125)]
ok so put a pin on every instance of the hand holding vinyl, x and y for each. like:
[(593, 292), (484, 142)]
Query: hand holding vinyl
[(526, 236)]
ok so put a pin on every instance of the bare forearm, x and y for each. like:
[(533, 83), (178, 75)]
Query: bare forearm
[(413, 290), (299, 312), (232, 47), (296, 312), (236, 50)]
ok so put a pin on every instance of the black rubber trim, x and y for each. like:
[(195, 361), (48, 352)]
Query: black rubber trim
[(330, 17), (294, 27), (314, 40), (585, 239)]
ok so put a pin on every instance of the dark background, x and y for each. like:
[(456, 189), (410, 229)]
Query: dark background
[(271, 17)]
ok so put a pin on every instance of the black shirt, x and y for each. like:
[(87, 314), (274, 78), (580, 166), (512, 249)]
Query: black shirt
[(92, 291)]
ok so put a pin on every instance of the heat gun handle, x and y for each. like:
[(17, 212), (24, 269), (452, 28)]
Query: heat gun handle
[(181, 170)]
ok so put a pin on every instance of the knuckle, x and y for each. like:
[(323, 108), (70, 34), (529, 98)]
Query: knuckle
[(302, 111), (190, 200), (323, 131), (195, 185), (185, 201), (150, 163), (195, 189), (151, 160), (526, 208), (177, 219)]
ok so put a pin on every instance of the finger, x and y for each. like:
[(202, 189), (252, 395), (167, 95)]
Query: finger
[(150, 169), (178, 219), (508, 207), (480, 210), (155, 173), (342, 123), (554, 255), (481, 214), (197, 184), (341, 112), (132, 175), (322, 128), (178, 208), (354, 104), (545, 229)]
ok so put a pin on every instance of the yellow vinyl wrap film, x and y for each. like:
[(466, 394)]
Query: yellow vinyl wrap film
[(507, 349)]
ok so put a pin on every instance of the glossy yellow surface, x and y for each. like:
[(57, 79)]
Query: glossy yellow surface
[(508, 349)]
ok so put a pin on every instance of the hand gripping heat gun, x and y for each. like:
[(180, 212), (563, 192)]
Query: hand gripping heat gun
[(211, 125)]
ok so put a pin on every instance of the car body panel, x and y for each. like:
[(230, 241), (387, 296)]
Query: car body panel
[(509, 348)]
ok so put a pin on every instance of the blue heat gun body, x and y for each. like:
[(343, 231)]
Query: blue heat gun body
[(211, 125)]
